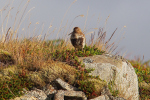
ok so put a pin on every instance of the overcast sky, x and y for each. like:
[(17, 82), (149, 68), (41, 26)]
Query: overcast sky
[(131, 17)]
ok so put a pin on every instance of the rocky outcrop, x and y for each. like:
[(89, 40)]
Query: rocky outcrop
[(50, 93), (119, 75), (117, 72), (65, 92)]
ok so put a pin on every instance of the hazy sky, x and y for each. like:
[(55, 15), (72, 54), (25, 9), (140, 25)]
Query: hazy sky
[(131, 17)]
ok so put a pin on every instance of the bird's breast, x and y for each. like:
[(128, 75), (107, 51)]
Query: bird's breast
[(76, 36)]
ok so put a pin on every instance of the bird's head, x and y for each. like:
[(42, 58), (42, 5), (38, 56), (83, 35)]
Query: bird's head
[(76, 29)]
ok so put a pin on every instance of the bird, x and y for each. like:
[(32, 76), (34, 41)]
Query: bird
[(77, 39)]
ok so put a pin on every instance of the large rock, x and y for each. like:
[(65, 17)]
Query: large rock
[(117, 72)]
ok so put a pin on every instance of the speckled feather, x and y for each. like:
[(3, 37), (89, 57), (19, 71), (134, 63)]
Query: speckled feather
[(77, 38)]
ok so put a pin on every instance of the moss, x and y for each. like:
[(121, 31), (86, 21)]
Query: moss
[(4, 52), (59, 69), (37, 79), (6, 58), (144, 90), (98, 84), (10, 70)]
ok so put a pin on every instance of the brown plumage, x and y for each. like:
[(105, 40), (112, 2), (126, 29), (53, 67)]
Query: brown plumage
[(77, 38)]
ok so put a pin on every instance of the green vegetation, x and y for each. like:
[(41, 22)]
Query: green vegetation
[(71, 58), (143, 72), (10, 88), (114, 92)]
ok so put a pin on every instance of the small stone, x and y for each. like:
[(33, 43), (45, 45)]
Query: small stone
[(37, 93), (49, 89), (74, 95), (87, 60), (102, 97), (65, 85), (25, 98)]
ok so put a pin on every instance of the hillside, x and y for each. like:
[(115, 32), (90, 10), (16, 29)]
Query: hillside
[(33, 63)]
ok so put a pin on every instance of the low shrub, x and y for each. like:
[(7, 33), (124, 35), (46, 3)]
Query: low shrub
[(10, 88), (142, 70)]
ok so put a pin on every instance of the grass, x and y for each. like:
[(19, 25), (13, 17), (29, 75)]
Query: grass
[(39, 59)]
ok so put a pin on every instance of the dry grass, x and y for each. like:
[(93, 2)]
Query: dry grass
[(34, 54)]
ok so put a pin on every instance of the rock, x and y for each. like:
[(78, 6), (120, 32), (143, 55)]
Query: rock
[(50, 91), (63, 85), (39, 94), (102, 97), (69, 95), (106, 91), (25, 98), (87, 60), (117, 72)]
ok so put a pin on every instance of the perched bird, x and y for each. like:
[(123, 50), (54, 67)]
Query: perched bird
[(77, 38)]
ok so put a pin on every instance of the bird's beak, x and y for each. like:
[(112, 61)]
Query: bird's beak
[(70, 34)]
